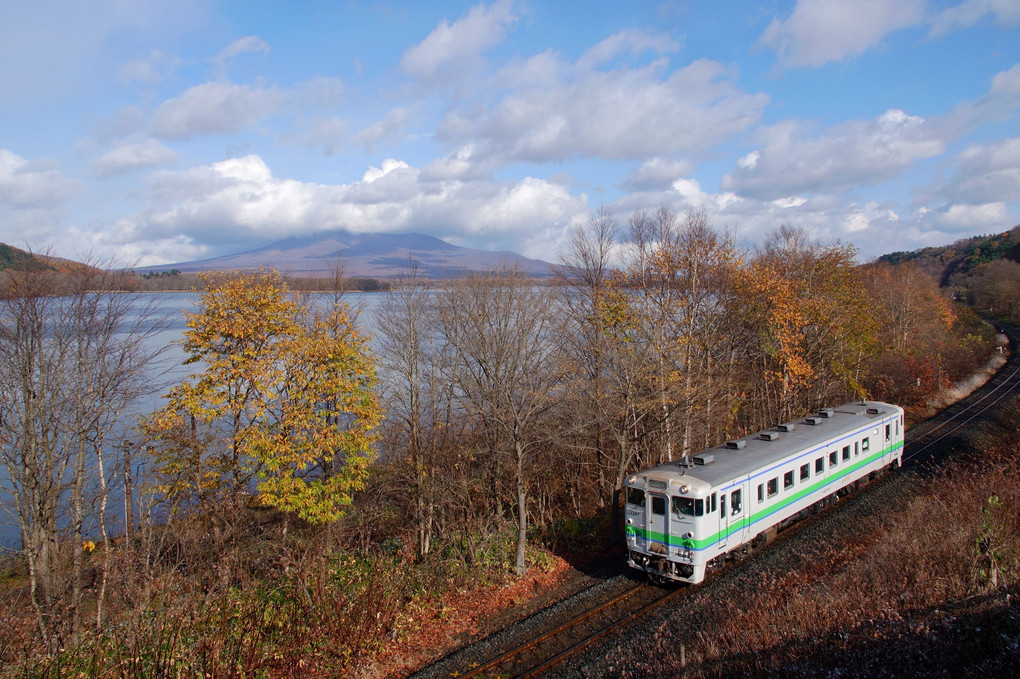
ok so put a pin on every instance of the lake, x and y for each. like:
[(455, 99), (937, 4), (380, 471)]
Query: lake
[(169, 370)]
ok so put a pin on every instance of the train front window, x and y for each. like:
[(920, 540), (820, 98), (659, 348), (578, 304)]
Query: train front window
[(658, 505), (636, 496), (688, 506)]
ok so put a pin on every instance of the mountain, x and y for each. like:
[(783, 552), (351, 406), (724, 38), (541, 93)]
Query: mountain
[(366, 255), (952, 264)]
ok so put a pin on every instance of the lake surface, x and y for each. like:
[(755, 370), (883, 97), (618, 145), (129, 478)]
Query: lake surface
[(169, 370)]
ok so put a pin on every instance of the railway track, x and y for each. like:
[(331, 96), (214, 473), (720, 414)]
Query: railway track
[(535, 656), (922, 440), (555, 644)]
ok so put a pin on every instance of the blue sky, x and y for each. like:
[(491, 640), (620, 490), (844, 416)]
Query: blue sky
[(154, 132)]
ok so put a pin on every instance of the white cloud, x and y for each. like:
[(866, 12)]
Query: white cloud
[(152, 67), (249, 44), (792, 160), (31, 184), (657, 173), (455, 49), (460, 164), (820, 31), (969, 12), (986, 174), (631, 42), (147, 153), (67, 49), (215, 107), (331, 135), (384, 131), (240, 201), (974, 218), (623, 113)]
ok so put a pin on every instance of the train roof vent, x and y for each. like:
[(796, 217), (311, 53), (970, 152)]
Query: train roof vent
[(768, 435), (704, 458), (825, 412), (789, 426), (739, 444), (813, 420), (872, 411)]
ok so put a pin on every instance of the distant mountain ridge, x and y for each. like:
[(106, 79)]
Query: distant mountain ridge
[(368, 255)]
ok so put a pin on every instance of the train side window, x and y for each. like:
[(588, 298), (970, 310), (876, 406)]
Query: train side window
[(683, 506), (833, 459), (887, 432), (866, 445), (857, 448), (788, 480), (734, 502), (658, 505), (773, 486), (699, 507), (805, 472), (636, 496), (713, 503), (820, 465), (846, 453), (761, 493)]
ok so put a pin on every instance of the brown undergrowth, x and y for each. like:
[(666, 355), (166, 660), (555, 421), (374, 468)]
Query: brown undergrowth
[(919, 580), (241, 602)]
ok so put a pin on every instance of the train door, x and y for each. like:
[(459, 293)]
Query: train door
[(657, 520), (723, 515)]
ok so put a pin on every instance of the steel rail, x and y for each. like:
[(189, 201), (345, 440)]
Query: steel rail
[(522, 648)]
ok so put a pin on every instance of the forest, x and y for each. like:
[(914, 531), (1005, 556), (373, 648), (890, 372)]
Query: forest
[(313, 498)]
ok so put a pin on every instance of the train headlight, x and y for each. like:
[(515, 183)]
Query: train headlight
[(684, 489)]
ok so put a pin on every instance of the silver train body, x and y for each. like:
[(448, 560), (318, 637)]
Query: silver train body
[(684, 518)]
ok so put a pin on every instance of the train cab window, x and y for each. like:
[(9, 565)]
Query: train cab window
[(857, 448), (761, 493), (773, 486), (788, 480), (866, 445), (734, 502), (887, 431), (833, 461), (820, 465), (658, 505), (846, 453), (636, 496), (688, 506), (713, 503)]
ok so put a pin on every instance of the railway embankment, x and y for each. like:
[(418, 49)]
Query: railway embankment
[(919, 575)]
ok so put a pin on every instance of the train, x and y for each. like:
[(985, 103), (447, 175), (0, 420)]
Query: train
[(684, 518)]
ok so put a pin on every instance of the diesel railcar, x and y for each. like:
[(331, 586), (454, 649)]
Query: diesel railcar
[(683, 518)]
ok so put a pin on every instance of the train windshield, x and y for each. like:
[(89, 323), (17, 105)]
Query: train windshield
[(636, 496), (688, 506)]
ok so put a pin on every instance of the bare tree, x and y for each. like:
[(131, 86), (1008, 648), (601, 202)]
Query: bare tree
[(73, 355), (499, 326)]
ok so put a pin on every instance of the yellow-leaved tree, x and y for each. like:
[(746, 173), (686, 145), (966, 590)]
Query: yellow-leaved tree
[(285, 406)]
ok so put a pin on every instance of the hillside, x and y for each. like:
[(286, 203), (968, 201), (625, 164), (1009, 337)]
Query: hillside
[(952, 265), (19, 260)]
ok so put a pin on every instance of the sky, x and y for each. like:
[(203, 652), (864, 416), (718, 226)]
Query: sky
[(145, 133)]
